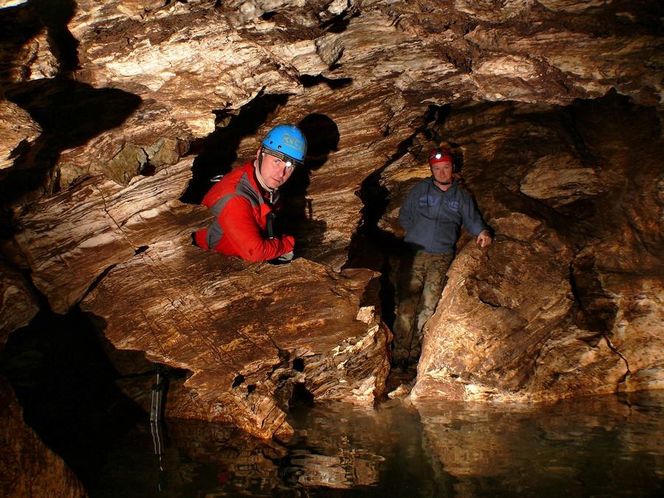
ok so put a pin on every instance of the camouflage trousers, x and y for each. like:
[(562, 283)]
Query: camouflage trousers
[(420, 285)]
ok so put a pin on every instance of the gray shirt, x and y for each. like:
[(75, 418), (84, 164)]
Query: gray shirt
[(432, 218)]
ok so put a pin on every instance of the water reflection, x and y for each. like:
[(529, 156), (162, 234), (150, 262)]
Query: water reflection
[(599, 446)]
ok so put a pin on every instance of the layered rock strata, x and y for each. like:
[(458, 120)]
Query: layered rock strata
[(568, 299), (72, 238), (144, 83), (247, 333)]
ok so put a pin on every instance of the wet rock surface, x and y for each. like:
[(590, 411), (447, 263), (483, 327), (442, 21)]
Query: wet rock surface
[(190, 309)]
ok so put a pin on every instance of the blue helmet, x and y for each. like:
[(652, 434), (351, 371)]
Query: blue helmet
[(286, 141)]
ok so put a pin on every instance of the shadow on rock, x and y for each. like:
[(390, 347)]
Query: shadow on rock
[(322, 135), (66, 387), (70, 114), (217, 153), (22, 23)]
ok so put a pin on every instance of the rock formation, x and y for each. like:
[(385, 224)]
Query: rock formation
[(18, 132), (151, 99), (27, 466), (568, 300), (17, 304), (191, 310)]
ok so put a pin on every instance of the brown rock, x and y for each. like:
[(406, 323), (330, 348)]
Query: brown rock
[(70, 239), (27, 466), (17, 132), (247, 333), (17, 304), (557, 180), (560, 282)]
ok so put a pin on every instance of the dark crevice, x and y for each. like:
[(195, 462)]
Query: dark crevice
[(238, 380), (485, 300), (99, 278), (298, 364), (217, 153), (339, 23), (333, 84), (372, 247), (66, 385), (628, 372), (300, 396)]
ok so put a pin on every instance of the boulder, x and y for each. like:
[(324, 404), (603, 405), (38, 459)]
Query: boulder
[(248, 334)]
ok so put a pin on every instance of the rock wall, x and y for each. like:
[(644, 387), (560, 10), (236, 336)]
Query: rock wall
[(154, 98), (27, 466), (568, 300)]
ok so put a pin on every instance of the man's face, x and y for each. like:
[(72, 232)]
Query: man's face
[(274, 170), (442, 171)]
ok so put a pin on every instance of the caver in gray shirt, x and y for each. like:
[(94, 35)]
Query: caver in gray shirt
[(433, 218)]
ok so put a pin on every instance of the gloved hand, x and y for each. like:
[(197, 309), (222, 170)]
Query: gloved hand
[(283, 259)]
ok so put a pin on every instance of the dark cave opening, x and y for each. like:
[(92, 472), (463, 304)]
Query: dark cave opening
[(378, 249), (61, 374), (217, 153)]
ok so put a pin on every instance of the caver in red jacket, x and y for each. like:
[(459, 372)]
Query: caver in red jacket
[(241, 208)]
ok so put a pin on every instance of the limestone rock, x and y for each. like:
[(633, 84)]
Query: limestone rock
[(560, 180), (70, 239), (172, 77), (589, 321), (193, 64), (17, 132), (247, 333), (149, 141), (494, 327), (17, 304), (27, 466), (374, 68)]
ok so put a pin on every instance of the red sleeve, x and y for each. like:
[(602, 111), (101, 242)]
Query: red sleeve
[(245, 235)]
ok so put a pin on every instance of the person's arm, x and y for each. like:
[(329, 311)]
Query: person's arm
[(472, 221), (407, 213), (243, 232)]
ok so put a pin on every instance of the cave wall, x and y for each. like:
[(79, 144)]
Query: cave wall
[(112, 112)]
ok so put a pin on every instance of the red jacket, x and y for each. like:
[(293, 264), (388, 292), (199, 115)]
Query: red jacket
[(239, 228)]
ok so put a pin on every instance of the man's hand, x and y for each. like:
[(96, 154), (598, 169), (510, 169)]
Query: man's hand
[(283, 259), (484, 238)]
